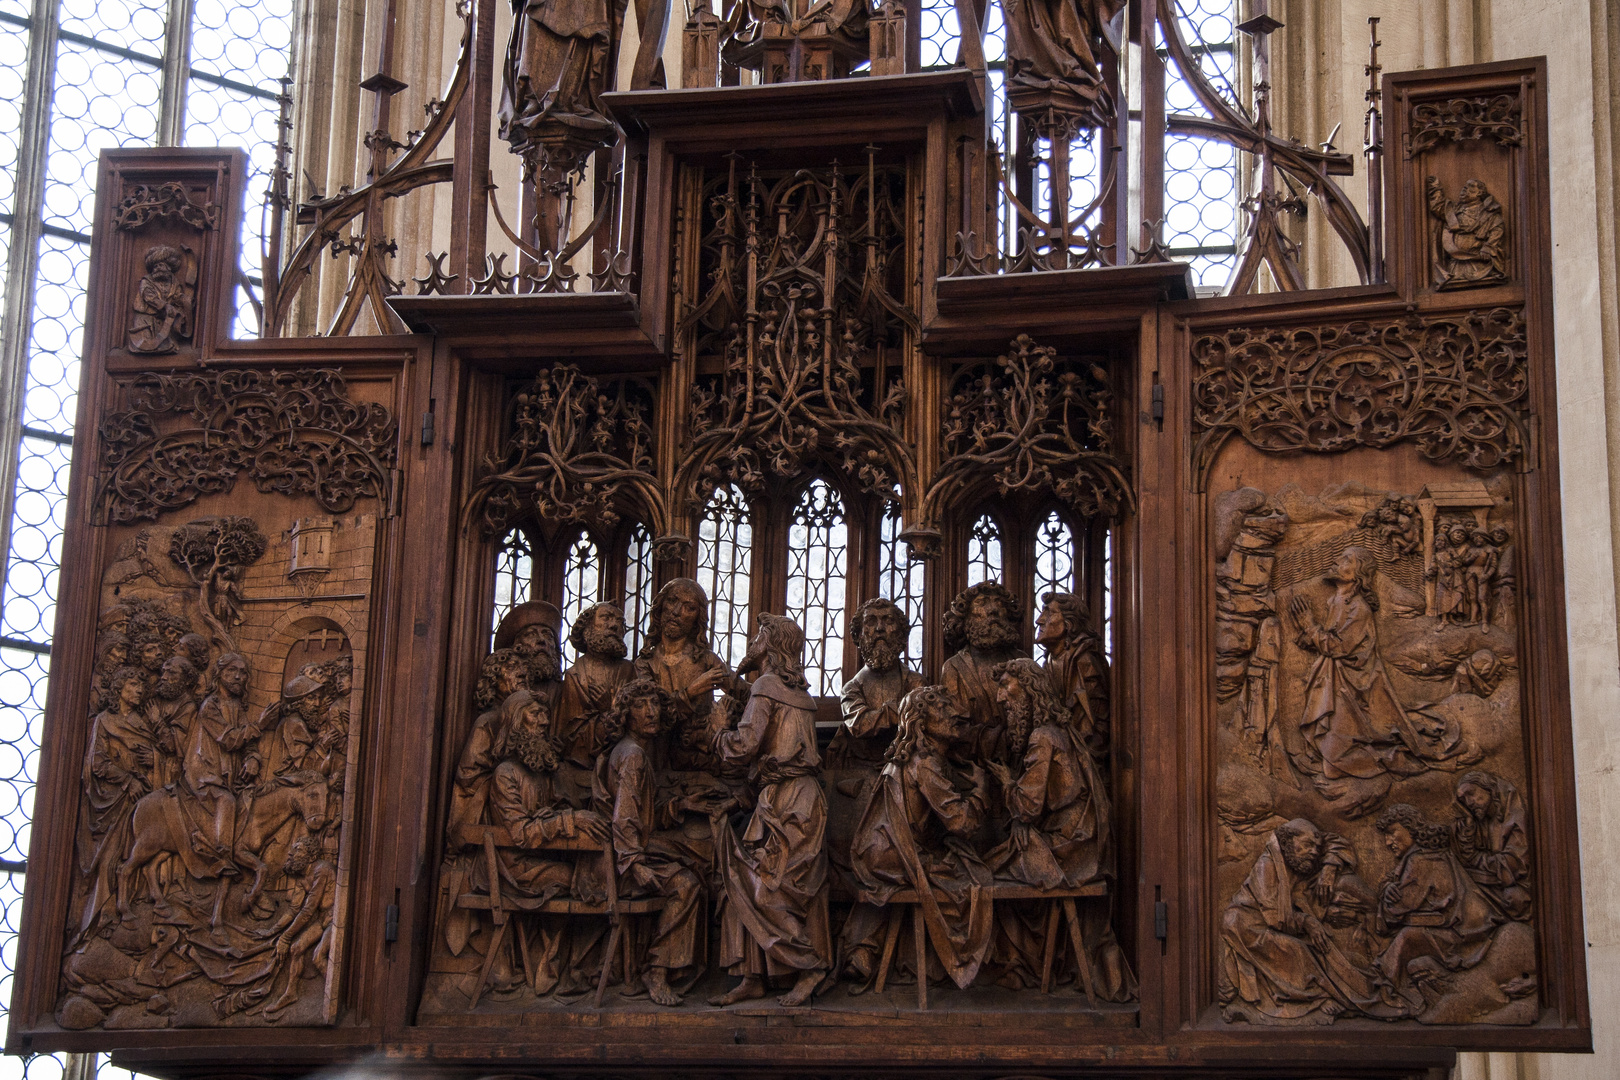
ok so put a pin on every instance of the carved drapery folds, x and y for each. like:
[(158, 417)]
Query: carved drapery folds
[(1028, 423), (1457, 386), (578, 451), (1499, 117), (293, 432), (805, 311)]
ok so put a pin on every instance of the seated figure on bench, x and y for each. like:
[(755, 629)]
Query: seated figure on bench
[(914, 833), (646, 863)]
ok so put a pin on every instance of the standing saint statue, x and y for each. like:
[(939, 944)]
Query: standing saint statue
[(1055, 48), (1470, 246)]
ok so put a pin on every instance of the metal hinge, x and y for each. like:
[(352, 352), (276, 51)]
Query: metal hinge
[(390, 924), (1158, 403), (1161, 920)]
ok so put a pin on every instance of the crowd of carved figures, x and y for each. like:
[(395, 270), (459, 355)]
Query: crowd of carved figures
[(208, 834), (979, 807), (1374, 835)]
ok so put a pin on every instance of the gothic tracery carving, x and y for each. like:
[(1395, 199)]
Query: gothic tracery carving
[(1499, 118), (293, 432), (1458, 387), (171, 200), (578, 451)]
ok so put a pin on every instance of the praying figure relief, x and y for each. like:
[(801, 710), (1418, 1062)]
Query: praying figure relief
[(165, 302), (1470, 237), (1384, 857), (215, 783)]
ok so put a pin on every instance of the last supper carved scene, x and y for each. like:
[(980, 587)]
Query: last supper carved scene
[(838, 600)]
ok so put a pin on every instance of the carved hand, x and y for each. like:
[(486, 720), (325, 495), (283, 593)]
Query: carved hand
[(591, 825)]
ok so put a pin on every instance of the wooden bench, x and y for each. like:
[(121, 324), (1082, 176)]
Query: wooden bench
[(493, 837), (1058, 900)]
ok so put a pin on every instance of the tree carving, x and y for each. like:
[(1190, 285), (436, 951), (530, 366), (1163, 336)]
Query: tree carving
[(804, 320), (144, 204), (292, 432), (1031, 423), (215, 552), (1458, 387), (577, 451)]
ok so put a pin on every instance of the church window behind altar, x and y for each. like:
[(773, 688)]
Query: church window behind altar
[(638, 586), (514, 573), (1054, 556), (817, 563), (901, 579), (582, 576), (725, 559), (1201, 195), (984, 551)]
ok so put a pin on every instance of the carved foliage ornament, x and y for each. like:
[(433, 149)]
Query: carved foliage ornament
[(293, 432), (144, 204), (804, 320), (1458, 387), (1459, 119), (1031, 423), (578, 451)]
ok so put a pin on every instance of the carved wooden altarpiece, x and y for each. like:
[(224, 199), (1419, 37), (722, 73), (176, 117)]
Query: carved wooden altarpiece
[(1303, 805)]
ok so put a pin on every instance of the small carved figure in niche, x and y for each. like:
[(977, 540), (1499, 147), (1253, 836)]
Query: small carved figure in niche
[(164, 301), (502, 675), (1440, 920), (1077, 666), (534, 630), (679, 659), (627, 795), (1470, 243), (303, 933), (526, 798), (1493, 841), (1505, 584), (1055, 50), (118, 772), (1451, 554), (1280, 964), (557, 67), (1479, 575), (1358, 736), (916, 833), (870, 702), (170, 712), (587, 691), (776, 872), (1397, 523), (981, 631)]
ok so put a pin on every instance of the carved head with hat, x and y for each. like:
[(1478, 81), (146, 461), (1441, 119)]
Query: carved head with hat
[(534, 630)]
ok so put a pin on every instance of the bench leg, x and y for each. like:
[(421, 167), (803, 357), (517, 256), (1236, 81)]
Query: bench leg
[(1082, 959), (891, 932), (1049, 947), (919, 934), (607, 959), (489, 961)]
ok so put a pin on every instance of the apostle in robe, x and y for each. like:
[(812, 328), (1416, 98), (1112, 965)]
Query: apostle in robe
[(679, 659), (588, 688), (533, 630), (1056, 45), (557, 67), (1279, 961), (981, 631), (503, 673), (1078, 667), (219, 760), (170, 711), (118, 770), (915, 833), (1358, 736), (646, 863), (1493, 840), (775, 918), (870, 702), (1471, 236), (1440, 919)]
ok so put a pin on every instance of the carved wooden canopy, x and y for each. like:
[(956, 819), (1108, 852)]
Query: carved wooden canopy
[(830, 617)]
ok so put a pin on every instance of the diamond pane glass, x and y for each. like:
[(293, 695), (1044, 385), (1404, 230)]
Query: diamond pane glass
[(514, 576), (818, 542), (901, 579), (725, 557), (1054, 557), (638, 587), (582, 576), (984, 551)]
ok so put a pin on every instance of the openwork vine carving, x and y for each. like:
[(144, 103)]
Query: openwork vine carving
[(578, 451), (1030, 423), (144, 204), (1458, 387), (293, 432), (1433, 122), (803, 306)]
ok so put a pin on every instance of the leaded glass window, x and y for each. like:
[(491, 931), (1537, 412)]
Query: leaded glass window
[(1055, 559), (725, 559), (818, 542), (638, 587), (901, 578), (984, 551), (582, 577), (1108, 593), (514, 576), (1201, 196)]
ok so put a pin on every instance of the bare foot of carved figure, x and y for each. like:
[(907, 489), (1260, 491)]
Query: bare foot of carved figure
[(658, 987), (808, 981), (751, 987)]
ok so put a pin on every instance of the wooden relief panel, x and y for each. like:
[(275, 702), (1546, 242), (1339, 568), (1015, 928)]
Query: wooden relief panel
[(219, 782)]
